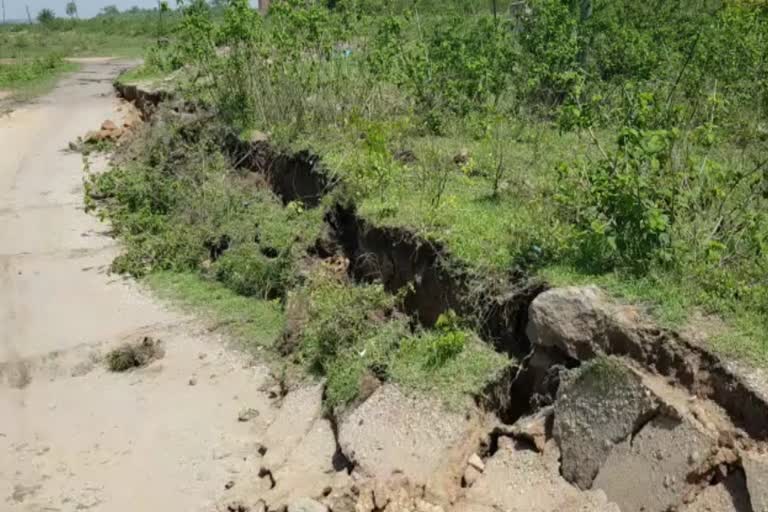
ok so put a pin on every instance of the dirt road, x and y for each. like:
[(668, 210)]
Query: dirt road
[(72, 435)]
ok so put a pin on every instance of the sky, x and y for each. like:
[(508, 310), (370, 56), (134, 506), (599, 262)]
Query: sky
[(14, 9)]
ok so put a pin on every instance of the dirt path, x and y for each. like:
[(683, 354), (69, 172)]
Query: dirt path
[(72, 435)]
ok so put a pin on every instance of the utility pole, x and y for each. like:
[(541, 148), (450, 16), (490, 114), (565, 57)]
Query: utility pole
[(3, 2), (29, 16), (495, 10)]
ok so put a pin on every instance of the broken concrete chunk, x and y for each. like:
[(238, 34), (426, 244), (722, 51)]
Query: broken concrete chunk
[(391, 433), (650, 472), (597, 406), (571, 319), (756, 470), (307, 505)]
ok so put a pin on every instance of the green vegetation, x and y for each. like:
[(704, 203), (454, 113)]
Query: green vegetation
[(32, 56), (32, 73), (618, 139), (616, 142), (254, 323)]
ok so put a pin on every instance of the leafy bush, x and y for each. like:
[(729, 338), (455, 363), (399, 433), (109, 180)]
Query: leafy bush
[(247, 271)]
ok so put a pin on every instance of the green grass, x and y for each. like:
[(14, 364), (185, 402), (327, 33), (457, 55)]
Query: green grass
[(256, 324), (454, 381), (30, 77), (37, 42), (676, 304)]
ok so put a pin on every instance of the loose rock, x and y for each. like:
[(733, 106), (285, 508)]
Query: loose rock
[(598, 405), (476, 462), (571, 319), (534, 428), (247, 414)]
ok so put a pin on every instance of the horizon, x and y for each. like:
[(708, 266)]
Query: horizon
[(15, 10)]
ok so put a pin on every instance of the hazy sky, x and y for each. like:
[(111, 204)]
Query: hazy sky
[(86, 8)]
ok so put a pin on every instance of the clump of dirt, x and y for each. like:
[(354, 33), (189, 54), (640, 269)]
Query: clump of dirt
[(134, 355)]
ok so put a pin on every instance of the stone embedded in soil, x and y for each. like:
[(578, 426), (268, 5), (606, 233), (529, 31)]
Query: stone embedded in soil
[(306, 505), (650, 472), (730, 495), (756, 470), (476, 462), (247, 414), (521, 480), (597, 406), (391, 433), (571, 319)]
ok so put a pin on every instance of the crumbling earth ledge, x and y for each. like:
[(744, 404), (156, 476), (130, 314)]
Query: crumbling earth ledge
[(512, 316), (555, 329)]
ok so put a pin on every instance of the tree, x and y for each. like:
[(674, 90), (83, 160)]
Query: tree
[(72, 9), (110, 10), (46, 16)]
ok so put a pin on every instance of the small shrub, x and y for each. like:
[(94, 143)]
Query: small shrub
[(247, 271), (134, 355)]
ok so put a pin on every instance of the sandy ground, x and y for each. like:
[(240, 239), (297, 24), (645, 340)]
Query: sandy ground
[(72, 435)]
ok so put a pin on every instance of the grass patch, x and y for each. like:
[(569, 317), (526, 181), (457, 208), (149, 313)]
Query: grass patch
[(455, 378), (256, 324), (29, 77)]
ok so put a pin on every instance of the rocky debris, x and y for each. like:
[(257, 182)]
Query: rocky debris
[(476, 462), (521, 480), (578, 323), (535, 429), (397, 494), (391, 433), (650, 472), (729, 495), (306, 505), (572, 319), (247, 414), (756, 470), (110, 131), (598, 405), (470, 476)]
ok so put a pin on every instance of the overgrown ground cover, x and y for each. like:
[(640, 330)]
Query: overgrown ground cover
[(618, 142), (32, 73), (219, 242), (32, 55)]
